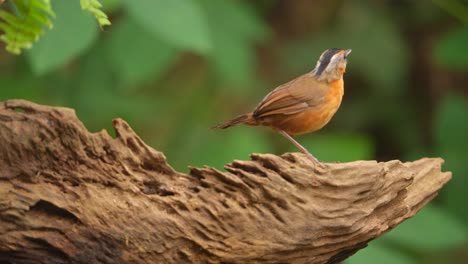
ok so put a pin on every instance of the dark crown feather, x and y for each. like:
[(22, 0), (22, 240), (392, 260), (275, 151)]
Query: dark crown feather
[(325, 59)]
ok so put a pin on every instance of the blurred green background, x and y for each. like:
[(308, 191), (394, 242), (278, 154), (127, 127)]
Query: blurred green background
[(173, 69)]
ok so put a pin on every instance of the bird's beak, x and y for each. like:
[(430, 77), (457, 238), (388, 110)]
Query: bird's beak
[(347, 52)]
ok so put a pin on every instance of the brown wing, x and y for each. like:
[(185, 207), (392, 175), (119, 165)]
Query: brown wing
[(292, 97)]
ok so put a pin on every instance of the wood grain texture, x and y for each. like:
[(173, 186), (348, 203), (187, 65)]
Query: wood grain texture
[(71, 196)]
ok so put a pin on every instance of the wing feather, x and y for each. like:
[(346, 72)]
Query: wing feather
[(293, 97)]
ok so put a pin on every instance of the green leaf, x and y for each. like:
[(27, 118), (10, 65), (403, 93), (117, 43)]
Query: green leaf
[(73, 34), (93, 6), (337, 147), (451, 130), (378, 253), (96, 98), (450, 50), (234, 60), (431, 229), (218, 147), (205, 146), (179, 22), (27, 25), (135, 55), (457, 8), (239, 19), (43, 5), (233, 54), (23, 86), (110, 6)]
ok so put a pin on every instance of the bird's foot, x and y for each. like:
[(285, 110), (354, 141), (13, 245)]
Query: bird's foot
[(320, 167)]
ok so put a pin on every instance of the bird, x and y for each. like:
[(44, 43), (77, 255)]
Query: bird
[(304, 104)]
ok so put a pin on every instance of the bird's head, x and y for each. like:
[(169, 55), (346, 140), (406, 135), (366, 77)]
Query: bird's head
[(331, 65)]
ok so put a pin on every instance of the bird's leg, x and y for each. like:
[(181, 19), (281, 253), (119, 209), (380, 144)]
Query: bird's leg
[(300, 147)]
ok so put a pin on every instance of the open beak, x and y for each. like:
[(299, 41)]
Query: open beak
[(347, 52)]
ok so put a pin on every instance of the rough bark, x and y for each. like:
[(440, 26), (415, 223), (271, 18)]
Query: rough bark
[(71, 196)]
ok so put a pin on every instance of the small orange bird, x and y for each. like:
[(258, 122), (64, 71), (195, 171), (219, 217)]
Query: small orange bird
[(303, 105)]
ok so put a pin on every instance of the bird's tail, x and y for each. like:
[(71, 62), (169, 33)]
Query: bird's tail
[(242, 119)]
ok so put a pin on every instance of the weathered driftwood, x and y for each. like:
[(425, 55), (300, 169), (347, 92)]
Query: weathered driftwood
[(71, 196)]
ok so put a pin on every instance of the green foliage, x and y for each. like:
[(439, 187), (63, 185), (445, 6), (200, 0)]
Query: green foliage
[(417, 236), (110, 6), (382, 254), (19, 86), (223, 146), (332, 147), (73, 33), (232, 54), (96, 89), (422, 232), (94, 7), (451, 49), (451, 130), (456, 8), (178, 22), (22, 28), (128, 47)]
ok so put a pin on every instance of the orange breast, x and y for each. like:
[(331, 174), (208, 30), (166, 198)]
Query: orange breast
[(316, 117)]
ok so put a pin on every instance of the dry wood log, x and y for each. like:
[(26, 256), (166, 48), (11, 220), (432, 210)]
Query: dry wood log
[(71, 196)]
